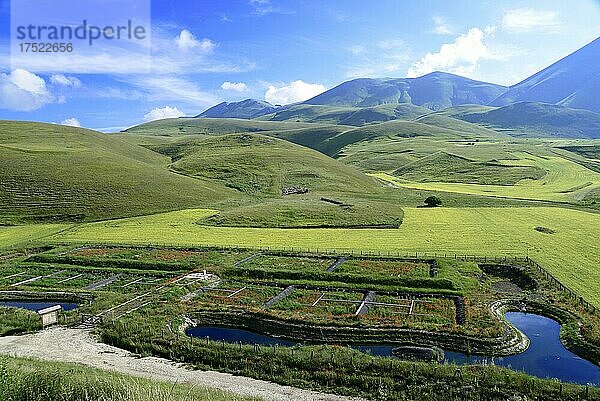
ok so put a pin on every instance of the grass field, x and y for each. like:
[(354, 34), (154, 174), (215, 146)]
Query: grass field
[(33, 380), (11, 236), (570, 252), (564, 181)]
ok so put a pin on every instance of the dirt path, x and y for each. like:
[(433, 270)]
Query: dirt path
[(79, 346)]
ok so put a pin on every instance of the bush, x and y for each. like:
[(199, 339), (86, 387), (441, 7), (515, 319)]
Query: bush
[(433, 201)]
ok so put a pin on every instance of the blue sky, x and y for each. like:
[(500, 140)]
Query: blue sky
[(204, 52)]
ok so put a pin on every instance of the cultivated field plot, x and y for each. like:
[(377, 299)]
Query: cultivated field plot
[(407, 312), (163, 255), (288, 263), (323, 307), (237, 294), (320, 304), (385, 267)]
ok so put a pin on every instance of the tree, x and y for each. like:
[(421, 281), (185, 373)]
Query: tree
[(433, 201)]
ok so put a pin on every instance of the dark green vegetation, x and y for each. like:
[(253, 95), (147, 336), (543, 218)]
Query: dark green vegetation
[(32, 380), (143, 312)]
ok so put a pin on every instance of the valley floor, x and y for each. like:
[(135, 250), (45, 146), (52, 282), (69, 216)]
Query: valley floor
[(79, 346)]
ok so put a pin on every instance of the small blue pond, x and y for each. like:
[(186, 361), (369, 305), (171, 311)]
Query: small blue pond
[(546, 357), (36, 306)]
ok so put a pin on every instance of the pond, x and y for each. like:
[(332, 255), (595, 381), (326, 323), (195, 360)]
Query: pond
[(36, 305), (546, 357)]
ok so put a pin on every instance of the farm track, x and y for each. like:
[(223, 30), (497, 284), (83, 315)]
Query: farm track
[(79, 346)]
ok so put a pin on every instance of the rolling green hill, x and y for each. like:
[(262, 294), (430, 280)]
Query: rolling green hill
[(446, 167), (532, 119), (401, 129), (346, 115), (262, 165), (53, 172)]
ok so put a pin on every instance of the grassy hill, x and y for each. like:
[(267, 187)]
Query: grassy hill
[(399, 129), (347, 115), (210, 126), (446, 167), (53, 172), (532, 119), (262, 165)]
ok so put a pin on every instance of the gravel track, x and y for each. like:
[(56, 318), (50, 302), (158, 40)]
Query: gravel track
[(80, 346)]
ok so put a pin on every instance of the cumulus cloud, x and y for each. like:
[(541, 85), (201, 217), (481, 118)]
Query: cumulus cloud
[(158, 113), (186, 40), (23, 91), (459, 57), (297, 91), (525, 19), (60, 79), (72, 122), (234, 86)]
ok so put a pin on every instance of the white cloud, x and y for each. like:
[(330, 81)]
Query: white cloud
[(441, 26), (297, 91), (158, 113), (381, 58), (73, 122), (264, 7), (172, 88), (23, 91), (234, 86), (186, 40), (525, 19), (60, 79), (459, 57), (163, 57)]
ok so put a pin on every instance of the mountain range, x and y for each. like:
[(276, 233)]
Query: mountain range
[(560, 100)]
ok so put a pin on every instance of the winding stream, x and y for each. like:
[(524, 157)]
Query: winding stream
[(546, 357)]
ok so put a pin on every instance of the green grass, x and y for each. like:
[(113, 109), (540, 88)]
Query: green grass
[(34, 380), (51, 172), (565, 181), (447, 167), (570, 253), (14, 321), (309, 210), (11, 236), (210, 126), (261, 165)]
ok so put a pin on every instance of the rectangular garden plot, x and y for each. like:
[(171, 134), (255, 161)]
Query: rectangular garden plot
[(237, 294), (407, 312), (288, 263), (150, 254), (392, 268), (318, 306)]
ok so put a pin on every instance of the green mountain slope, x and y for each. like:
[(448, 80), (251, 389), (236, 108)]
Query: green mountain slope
[(262, 165), (346, 115), (434, 91), (539, 119), (52, 172)]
